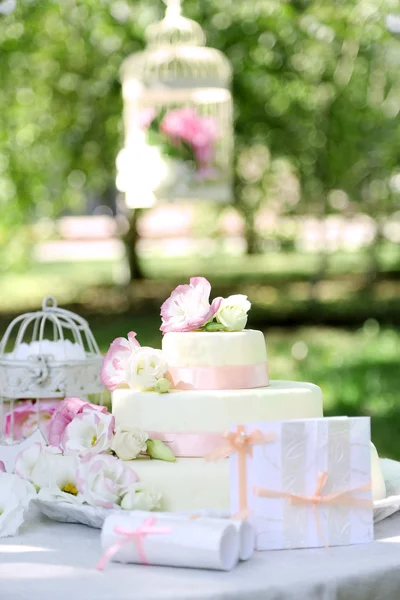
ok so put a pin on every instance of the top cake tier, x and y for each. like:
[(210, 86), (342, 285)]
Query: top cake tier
[(216, 360)]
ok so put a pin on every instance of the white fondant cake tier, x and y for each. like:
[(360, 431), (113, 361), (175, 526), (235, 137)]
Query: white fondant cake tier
[(214, 411), (214, 349), (193, 483)]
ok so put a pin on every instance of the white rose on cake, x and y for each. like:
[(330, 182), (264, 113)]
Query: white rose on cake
[(141, 367), (146, 367), (232, 313), (140, 497), (128, 443)]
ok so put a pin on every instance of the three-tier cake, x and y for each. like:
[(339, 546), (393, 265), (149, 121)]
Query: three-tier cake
[(217, 374)]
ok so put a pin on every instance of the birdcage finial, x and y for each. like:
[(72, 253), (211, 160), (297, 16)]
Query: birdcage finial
[(49, 302), (174, 8)]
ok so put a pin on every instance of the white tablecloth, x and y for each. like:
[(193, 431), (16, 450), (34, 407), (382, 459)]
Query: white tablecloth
[(54, 561)]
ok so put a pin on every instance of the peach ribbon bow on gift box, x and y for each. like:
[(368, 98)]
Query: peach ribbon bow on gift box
[(241, 443), (343, 498)]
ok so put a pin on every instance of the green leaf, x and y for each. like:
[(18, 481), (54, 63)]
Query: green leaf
[(213, 326), (162, 386), (157, 449)]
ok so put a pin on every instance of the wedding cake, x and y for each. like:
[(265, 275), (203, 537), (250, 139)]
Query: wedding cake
[(216, 374)]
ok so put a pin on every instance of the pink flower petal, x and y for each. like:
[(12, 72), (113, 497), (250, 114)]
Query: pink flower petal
[(115, 362), (215, 304), (188, 307), (132, 339), (112, 369), (65, 413), (22, 420)]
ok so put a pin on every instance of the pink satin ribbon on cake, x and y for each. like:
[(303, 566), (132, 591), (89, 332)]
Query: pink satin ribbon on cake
[(132, 535), (344, 498), (233, 377), (188, 445)]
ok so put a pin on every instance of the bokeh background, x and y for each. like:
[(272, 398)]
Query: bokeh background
[(313, 234)]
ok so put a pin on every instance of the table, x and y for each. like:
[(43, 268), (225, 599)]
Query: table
[(56, 561)]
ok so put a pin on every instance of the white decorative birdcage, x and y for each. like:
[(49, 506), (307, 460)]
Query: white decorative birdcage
[(178, 117), (45, 356)]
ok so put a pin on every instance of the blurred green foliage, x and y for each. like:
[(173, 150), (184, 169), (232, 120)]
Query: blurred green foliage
[(280, 286), (316, 91)]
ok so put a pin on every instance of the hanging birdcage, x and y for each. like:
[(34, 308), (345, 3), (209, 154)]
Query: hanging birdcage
[(45, 356), (178, 117)]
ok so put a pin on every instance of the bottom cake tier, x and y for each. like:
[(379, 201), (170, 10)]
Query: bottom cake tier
[(195, 484), (188, 483)]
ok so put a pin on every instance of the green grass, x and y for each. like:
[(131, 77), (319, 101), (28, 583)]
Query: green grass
[(279, 285)]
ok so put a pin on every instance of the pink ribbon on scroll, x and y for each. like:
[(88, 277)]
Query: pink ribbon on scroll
[(232, 377), (241, 442), (344, 498), (137, 536)]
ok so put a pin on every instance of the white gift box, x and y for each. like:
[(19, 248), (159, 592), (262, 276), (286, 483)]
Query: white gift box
[(307, 485)]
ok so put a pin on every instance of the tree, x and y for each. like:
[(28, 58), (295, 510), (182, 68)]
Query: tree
[(316, 99)]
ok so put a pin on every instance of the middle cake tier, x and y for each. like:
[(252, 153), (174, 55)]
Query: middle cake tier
[(193, 423), (215, 410)]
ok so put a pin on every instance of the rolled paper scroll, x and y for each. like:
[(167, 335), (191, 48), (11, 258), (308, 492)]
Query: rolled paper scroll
[(176, 542), (244, 528)]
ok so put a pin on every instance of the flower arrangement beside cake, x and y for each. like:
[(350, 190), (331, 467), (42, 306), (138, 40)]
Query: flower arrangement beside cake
[(84, 464)]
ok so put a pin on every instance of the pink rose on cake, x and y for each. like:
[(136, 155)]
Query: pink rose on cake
[(116, 362), (188, 308), (140, 367)]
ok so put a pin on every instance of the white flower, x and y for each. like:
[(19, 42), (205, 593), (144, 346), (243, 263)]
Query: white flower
[(55, 475), (15, 495), (128, 443), (27, 459), (232, 313), (103, 479), (146, 367), (91, 430), (141, 497)]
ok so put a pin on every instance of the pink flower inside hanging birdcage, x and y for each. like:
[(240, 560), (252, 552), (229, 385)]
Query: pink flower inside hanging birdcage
[(178, 117), (45, 356)]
